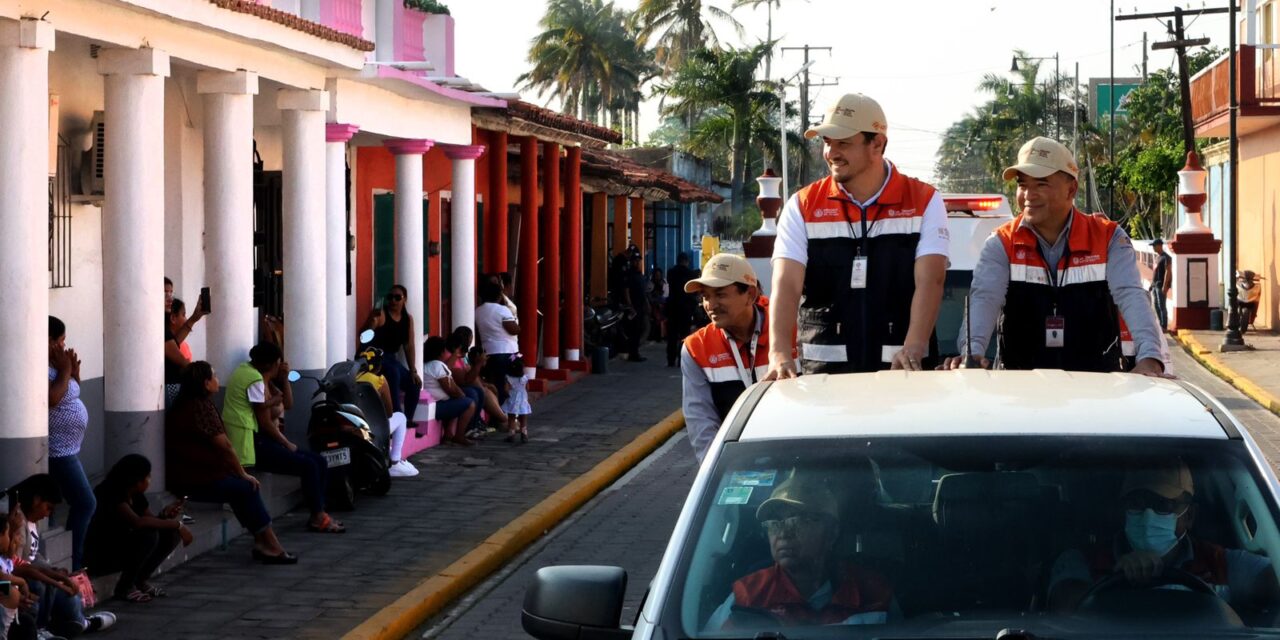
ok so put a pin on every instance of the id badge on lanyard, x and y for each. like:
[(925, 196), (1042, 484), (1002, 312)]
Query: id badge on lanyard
[(747, 375), (1055, 326), (858, 277)]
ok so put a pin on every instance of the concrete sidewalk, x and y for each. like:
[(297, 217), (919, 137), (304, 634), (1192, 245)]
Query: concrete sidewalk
[(1255, 372), (425, 524)]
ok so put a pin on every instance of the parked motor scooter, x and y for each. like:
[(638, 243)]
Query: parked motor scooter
[(601, 327), (352, 433), (1249, 295)]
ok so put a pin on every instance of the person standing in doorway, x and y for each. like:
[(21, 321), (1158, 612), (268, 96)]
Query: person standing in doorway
[(679, 307), (1161, 280), (68, 420), (636, 296), (393, 332), (861, 256)]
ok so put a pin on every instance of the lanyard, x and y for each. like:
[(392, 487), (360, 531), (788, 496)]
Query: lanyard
[(748, 376)]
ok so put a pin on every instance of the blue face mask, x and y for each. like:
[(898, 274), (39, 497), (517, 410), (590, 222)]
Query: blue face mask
[(1150, 531)]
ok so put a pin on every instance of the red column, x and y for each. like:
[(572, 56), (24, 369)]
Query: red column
[(572, 336), (599, 245), (619, 226), (637, 229), (433, 295), (495, 211), (550, 236), (527, 276)]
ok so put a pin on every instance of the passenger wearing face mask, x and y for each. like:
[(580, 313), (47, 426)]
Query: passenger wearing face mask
[(1158, 511)]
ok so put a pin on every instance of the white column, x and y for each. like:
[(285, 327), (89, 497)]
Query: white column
[(341, 339), (462, 232), (24, 279), (410, 230), (132, 252), (303, 219), (228, 214)]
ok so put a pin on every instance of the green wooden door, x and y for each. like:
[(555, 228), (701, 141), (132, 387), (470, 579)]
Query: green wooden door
[(384, 244)]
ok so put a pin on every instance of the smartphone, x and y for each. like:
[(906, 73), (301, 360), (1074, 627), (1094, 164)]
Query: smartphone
[(206, 305), (5, 587)]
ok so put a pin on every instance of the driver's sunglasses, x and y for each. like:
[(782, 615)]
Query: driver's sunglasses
[(1139, 501), (791, 525), (395, 297)]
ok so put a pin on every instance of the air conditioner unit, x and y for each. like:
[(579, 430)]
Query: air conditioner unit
[(92, 161)]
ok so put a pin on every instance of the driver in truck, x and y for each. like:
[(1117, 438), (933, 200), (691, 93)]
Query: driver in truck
[(1158, 512)]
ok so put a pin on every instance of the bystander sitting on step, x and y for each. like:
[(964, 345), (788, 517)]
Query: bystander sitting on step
[(126, 537), (450, 401), (58, 607), (371, 374), (177, 353), (466, 372), (202, 464), (258, 439)]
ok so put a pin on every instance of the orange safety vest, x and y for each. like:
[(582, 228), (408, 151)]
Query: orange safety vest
[(841, 328), (857, 590), (712, 350), (1075, 291)]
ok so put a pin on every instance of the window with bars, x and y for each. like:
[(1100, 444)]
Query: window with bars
[(60, 220)]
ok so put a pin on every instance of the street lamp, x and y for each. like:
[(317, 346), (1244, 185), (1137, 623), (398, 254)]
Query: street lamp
[(782, 121), (1057, 101)]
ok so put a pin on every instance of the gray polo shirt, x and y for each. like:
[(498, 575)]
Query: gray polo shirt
[(991, 284)]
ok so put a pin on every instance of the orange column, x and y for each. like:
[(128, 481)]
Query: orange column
[(572, 337), (619, 226), (637, 229), (495, 211), (599, 245), (550, 236), (527, 277), (433, 291)]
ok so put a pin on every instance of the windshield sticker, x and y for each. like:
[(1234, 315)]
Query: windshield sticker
[(735, 495), (753, 478)]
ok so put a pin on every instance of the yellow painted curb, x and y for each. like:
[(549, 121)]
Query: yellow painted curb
[(434, 593), (1219, 368)]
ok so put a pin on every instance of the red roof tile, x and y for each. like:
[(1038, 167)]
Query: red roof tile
[(294, 22)]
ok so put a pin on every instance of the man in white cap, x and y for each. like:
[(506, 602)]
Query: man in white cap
[(860, 257), (1053, 277), (719, 361)]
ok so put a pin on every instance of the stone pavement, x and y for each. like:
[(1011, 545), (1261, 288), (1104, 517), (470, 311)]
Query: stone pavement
[(425, 523), (627, 525), (1260, 367)]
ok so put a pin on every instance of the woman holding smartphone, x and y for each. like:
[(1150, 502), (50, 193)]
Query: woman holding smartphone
[(392, 332)]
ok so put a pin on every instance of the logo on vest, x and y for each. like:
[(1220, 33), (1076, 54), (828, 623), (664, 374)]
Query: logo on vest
[(826, 213), (720, 357), (1077, 261), (899, 213), (1021, 254)]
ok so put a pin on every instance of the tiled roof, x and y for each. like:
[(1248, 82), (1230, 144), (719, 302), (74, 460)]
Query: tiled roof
[(620, 169), (294, 22), (548, 118)]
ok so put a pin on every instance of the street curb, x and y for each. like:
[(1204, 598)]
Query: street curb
[(1216, 366), (434, 593)]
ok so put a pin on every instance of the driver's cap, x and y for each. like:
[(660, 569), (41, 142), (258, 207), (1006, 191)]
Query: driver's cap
[(804, 494), (1169, 479)]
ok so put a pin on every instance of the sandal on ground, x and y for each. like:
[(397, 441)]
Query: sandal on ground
[(328, 525), (135, 596), (153, 591), (283, 557)]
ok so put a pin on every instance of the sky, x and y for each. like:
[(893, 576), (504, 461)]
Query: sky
[(920, 60)]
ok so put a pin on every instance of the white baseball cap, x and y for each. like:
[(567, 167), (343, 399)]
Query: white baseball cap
[(1042, 157), (852, 114), (722, 270)]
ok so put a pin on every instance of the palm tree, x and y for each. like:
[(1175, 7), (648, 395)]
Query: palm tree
[(586, 57), (680, 27), (770, 5), (714, 80)]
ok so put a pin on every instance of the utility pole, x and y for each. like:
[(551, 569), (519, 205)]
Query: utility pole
[(1180, 44), (804, 97), (1144, 56)]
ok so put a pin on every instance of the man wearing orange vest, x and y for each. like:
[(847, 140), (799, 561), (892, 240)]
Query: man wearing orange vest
[(860, 257), (720, 360), (1053, 278)]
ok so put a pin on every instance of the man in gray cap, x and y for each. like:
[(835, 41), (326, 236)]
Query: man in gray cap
[(1053, 278)]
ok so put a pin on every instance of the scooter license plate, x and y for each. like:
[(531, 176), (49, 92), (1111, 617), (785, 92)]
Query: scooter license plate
[(337, 457)]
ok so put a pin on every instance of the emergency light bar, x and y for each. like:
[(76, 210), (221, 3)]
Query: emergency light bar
[(972, 204)]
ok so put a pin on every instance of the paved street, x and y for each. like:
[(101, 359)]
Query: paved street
[(424, 524), (1262, 424), (628, 526)]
